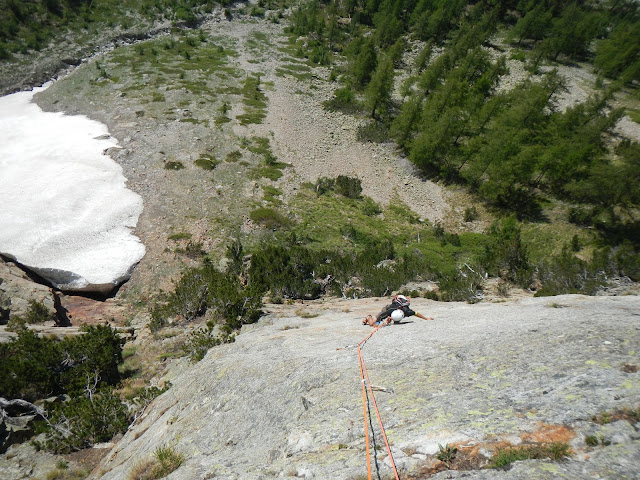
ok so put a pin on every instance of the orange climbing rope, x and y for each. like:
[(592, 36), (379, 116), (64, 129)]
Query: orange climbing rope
[(364, 378), (364, 409)]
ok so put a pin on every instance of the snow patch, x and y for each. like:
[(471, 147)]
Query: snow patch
[(65, 211)]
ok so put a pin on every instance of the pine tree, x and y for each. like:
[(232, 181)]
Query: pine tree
[(378, 91)]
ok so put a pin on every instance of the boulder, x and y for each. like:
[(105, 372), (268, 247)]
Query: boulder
[(15, 430), (17, 291)]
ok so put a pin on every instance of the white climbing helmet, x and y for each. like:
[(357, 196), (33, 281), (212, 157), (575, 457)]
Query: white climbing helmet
[(397, 315)]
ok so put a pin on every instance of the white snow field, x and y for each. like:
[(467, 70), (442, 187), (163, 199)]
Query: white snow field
[(65, 212)]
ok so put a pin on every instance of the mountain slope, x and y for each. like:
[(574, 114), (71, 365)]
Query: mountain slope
[(285, 398)]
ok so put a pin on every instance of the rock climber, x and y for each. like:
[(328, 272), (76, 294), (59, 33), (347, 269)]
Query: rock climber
[(394, 312)]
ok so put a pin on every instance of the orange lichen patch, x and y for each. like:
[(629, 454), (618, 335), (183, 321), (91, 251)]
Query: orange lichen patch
[(494, 446), (546, 433), (470, 458)]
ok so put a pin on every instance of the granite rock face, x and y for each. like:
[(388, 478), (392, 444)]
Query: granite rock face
[(17, 291), (285, 399)]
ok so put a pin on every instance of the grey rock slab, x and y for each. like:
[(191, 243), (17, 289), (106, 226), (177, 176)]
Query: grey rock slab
[(17, 291), (285, 398)]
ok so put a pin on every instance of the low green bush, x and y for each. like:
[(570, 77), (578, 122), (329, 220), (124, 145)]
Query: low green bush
[(234, 156), (624, 260), (173, 166), (168, 459), (373, 131), (269, 218), (202, 339), (349, 187), (83, 421), (343, 101), (471, 214), (465, 285), (370, 208), (204, 288), (506, 255), (554, 451), (32, 367), (188, 300), (36, 313), (565, 273), (447, 454), (324, 185), (582, 216), (207, 162), (192, 250)]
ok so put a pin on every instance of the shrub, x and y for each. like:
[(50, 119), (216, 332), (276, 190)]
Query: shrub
[(447, 454), (502, 288), (463, 285), (591, 440), (201, 340), (28, 367), (581, 216), (374, 131), (97, 353), (370, 208), (232, 301), (38, 313), (324, 185), (625, 261), (445, 237), (205, 288), (471, 214), (554, 451), (168, 461), (349, 187), (431, 295), (565, 273), (343, 101), (269, 218), (294, 277), (32, 367), (575, 244), (173, 166), (233, 156), (188, 300), (17, 324), (84, 421), (270, 172), (206, 162), (506, 256), (192, 250)]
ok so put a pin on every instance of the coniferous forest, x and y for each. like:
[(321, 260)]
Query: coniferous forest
[(514, 148)]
